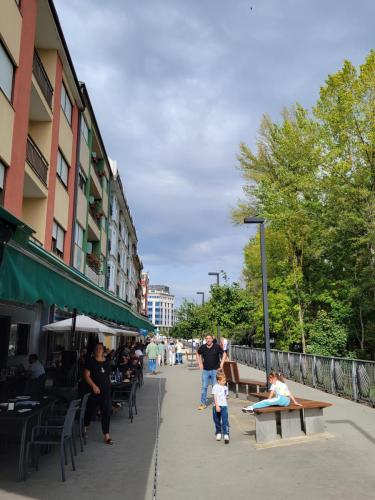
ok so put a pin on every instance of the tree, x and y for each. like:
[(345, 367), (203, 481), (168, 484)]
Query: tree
[(312, 177)]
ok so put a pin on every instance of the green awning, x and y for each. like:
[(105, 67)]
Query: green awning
[(29, 274)]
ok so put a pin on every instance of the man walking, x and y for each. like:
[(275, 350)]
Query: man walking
[(152, 352), (161, 353), (210, 357)]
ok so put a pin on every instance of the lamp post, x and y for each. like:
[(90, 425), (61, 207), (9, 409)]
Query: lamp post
[(261, 221), (218, 322), (201, 293)]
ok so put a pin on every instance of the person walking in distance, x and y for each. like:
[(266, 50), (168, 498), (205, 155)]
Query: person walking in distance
[(152, 352), (171, 353), (161, 353), (210, 358), (220, 408)]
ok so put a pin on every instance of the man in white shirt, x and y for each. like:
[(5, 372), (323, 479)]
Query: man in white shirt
[(36, 369)]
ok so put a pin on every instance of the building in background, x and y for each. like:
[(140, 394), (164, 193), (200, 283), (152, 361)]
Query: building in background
[(124, 265), (54, 191), (145, 284), (161, 307)]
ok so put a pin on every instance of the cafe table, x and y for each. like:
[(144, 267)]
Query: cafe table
[(20, 421)]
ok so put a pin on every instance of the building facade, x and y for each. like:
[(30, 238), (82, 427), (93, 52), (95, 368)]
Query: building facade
[(145, 284), (55, 182), (161, 307), (124, 265), (40, 102)]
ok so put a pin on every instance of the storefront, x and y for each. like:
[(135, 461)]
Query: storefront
[(35, 285)]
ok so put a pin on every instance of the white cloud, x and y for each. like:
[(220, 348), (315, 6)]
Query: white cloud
[(177, 84)]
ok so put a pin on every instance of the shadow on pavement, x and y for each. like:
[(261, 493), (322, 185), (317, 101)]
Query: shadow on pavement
[(364, 433), (116, 472)]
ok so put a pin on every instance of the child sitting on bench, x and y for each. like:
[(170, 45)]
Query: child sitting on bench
[(280, 395)]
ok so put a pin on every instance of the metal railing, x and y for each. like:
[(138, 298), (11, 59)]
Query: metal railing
[(351, 378), (42, 79), (36, 160)]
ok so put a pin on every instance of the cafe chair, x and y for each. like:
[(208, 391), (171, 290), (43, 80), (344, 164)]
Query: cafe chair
[(53, 435), (82, 411), (126, 396)]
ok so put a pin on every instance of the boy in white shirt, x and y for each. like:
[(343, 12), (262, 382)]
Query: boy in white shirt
[(220, 409)]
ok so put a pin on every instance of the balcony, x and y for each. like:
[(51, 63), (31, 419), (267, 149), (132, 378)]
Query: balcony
[(36, 160), (42, 79)]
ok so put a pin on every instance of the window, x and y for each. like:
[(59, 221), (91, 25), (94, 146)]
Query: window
[(62, 169), (79, 236), (19, 339), (58, 237), (66, 104), (2, 182), (6, 73), (82, 181), (84, 130)]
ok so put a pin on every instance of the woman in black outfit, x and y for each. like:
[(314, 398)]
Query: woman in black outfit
[(97, 376)]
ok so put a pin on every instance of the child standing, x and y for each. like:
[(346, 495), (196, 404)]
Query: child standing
[(279, 395), (220, 409)]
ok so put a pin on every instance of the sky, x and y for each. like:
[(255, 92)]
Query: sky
[(176, 85)]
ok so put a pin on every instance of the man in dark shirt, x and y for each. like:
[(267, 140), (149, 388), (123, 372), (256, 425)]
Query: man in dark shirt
[(210, 357)]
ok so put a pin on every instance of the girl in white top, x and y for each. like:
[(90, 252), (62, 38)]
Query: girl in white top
[(279, 395)]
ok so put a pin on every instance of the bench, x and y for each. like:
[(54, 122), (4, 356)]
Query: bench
[(288, 421), (235, 381)]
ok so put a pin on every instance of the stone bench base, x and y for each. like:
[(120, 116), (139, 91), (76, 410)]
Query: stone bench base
[(293, 423)]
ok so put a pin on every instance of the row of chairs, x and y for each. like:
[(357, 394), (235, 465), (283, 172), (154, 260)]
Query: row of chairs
[(59, 430)]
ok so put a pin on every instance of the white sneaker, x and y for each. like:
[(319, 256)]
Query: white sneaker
[(218, 437), (247, 409), (226, 438)]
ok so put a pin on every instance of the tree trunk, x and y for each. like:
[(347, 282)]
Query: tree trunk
[(362, 339)]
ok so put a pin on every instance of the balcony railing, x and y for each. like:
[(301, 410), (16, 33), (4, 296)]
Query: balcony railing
[(42, 79), (36, 160)]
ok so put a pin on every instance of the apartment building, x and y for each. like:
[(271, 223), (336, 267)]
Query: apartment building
[(161, 307), (40, 100), (93, 185), (55, 182), (124, 265)]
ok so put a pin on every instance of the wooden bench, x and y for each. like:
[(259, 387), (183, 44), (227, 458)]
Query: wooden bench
[(288, 421), (235, 381)]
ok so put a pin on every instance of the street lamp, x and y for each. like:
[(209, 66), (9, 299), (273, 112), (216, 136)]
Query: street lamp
[(218, 321), (201, 293), (261, 221)]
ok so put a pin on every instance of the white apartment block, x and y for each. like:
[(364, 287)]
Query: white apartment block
[(124, 265), (161, 306)]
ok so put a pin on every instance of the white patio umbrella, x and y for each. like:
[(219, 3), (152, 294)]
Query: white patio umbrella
[(83, 324)]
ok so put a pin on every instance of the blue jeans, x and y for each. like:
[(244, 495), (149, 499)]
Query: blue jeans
[(178, 358), (277, 401), (208, 376), (151, 365), (221, 420)]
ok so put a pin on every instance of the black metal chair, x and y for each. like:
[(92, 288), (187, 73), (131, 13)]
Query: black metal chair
[(126, 396), (82, 411), (59, 420), (54, 435), (139, 376)]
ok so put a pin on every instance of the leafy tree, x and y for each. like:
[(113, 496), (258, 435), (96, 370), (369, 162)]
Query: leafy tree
[(312, 176)]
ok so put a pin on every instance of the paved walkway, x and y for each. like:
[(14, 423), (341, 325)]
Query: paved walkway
[(193, 466)]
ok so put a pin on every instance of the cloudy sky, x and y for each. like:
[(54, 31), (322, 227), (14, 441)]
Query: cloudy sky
[(177, 84)]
